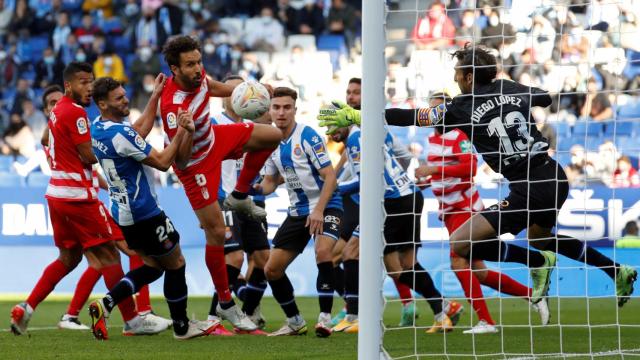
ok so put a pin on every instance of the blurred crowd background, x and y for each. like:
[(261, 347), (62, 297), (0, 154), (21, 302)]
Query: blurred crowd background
[(586, 53)]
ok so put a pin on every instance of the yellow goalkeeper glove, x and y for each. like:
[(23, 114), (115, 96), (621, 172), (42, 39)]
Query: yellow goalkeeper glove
[(342, 115)]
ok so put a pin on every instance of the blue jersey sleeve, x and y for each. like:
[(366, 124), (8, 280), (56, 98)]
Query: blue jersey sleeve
[(128, 143), (315, 148)]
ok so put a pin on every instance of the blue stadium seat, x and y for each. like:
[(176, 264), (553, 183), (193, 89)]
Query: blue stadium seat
[(589, 128), (37, 179), (564, 146), (335, 45), (121, 44), (113, 25), (5, 163), (72, 5), (38, 44), (618, 128), (631, 110), (11, 180), (563, 130)]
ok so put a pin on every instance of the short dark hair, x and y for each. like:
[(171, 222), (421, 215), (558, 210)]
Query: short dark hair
[(178, 45), (355, 80), (232, 77), (478, 61), (283, 91), (631, 228), (75, 67), (441, 95), (50, 90), (102, 87)]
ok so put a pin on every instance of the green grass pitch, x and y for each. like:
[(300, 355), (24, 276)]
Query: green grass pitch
[(514, 339)]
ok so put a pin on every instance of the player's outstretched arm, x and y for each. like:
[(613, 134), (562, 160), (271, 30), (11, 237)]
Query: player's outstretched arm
[(145, 122), (341, 116), (429, 116), (162, 160), (218, 88)]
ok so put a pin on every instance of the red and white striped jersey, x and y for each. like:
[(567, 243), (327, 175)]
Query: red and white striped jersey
[(452, 184), (197, 101), (71, 179)]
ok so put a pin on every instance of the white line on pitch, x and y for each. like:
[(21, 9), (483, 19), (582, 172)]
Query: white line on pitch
[(570, 355), (41, 328)]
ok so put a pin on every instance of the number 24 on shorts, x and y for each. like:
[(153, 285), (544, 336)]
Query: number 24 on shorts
[(163, 231)]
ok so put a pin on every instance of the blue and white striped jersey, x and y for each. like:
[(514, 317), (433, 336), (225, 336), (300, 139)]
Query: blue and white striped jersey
[(120, 150), (397, 181), (230, 168), (298, 160)]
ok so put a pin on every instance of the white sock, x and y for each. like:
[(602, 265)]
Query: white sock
[(351, 317), (295, 320)]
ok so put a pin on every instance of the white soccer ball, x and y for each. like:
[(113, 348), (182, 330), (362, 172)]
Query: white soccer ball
[(250, 100)]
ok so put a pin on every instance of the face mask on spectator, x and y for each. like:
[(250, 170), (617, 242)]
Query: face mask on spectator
[(266, 19), (247, 65), (209, 48), (108, 61), (3, 55), (49, 60), (494, 20), (467, 21), (236, 54), (148, 87), (131, 9), (81, 57), (196, 6), (145, 54)]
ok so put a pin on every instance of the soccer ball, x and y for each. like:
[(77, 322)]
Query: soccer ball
[(250, 100)]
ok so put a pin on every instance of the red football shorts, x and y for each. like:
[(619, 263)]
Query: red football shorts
[(79, 223), (454, 221), (202, 180), (115, 229)]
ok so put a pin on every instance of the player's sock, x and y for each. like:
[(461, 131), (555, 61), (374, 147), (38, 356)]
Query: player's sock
[(143, 302), (324, 286), (424, 286), (51, 276), (497, 250), (283, 293), (112, 274), (580, 251), (130, 284), (506, 285), (232, 278), (253, 163), (214, 305), (175, 292), (351, 286), (232, 273), (85, 285), (214, 258), (240, 289), (473, 292), (403, 291), (254, 291), (338, 280)]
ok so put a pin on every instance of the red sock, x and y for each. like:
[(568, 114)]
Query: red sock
[(142, 300), (506, 285), (51, 276), (473, 292), (84, 287), (112, 274), (253, 163), (214, 257), (404, 291)]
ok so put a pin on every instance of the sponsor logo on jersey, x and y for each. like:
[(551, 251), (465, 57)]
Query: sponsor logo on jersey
[(178, 97), (355, 154), (172, 120), (297, 151), (292, 179), (140, 142), (319, 150), (81, 124), (465, 146)]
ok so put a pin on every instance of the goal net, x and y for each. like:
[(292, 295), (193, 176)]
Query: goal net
[(586, 54)]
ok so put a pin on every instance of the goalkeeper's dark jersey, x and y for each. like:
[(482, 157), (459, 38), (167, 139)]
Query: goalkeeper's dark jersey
[(496, 119)]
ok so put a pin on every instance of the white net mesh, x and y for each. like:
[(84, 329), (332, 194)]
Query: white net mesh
[(586, 54)]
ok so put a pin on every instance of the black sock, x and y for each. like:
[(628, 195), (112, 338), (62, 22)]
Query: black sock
[(424, 286), (232, 277), (238, 195), (175, 292), (214, 304), (351, 286), (283, 293), (131, 284), (497, 250), (338, 280), (254, 290), (324, 286), (580, 251), (240, 289)]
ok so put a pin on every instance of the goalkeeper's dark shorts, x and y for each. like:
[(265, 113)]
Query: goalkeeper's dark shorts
[(402, 223), (350, 219), (536, 200)]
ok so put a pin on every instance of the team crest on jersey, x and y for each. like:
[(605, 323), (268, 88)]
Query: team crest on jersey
[(81, 124), (172, 120), (465, 146), (140, 142), (205, 193), (297, 151)]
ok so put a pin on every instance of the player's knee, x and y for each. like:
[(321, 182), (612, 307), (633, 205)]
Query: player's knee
[(272, 273), (461, 248), (235, 258), (323, 254), (70, 258), (260, 258), (215, 234)]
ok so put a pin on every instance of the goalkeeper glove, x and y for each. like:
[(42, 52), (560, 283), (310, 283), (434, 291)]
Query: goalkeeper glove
[(341, 116)]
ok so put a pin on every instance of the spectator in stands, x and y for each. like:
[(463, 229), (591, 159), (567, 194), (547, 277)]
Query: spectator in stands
[(34, 118), (145, 63), (217, 57), (602, 15), (148, 30), (49, 69), (18, 139), (543, 38), (266, 34), (295, 71), (583, 167), (61, 32), (129, 15), (630, 238), (23, 92), (69, 50), (23, 17), (497, 32), (8, 70), (251, 68), (86, 32), (195, 16), (310, 19), (46, 13), (526, 66), (607, 160), (287, 15), (625, 175), (102, 8), (5, 20), (142, 95), (342, 18), (596, 106), (470, 30), (110, 64), (435, 30), (539, 115)]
